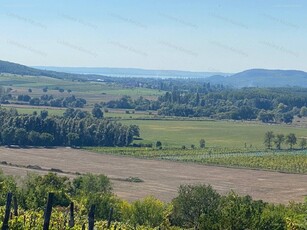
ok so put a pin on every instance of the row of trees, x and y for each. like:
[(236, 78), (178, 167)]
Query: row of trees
[(264, 104), (49, 100), (42, 130), (196, 206), (271, 139)]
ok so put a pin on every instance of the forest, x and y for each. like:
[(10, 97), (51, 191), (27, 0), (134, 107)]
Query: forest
[(217, 102), (43, 130)]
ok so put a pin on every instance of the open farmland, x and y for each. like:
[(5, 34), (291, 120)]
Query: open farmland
[(176, 133), (161, 178)]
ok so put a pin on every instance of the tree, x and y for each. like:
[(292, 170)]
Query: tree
[(45, 89), (291, 140), (303, 143), (195, 205), (279, 139), (202, 143), (44, 114), (46, 139), (268, 139), (73, 139), (159, 144), (21, 136), (146, 212), (97, 112), (8, 135), (30, 90), (34, 138), (303, 111), (89, 183)]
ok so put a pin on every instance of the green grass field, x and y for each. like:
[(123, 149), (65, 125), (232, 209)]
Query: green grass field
[(93, 92), (176, 133)]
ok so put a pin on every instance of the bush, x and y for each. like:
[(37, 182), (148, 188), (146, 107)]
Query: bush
[(146, 212), (195, 206)]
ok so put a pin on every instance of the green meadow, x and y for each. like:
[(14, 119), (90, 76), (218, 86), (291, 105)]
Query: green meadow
[(176, 133)]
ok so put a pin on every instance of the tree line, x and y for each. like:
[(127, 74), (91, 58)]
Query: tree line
[(265, 104), (271, 139), (44, 130), (49, 100)]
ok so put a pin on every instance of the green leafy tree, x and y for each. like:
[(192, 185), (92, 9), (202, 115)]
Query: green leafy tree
[(73, 139), (44, 114), (303, 143), (291, 140), (202, 143), (195, 206), (34, 138), (46, 139), (158, 144), (146, 212), (268, 139), (21, 136), (279, 139), (90, 183), (240, 213), (97, 112), (36, 188), (8, 135)]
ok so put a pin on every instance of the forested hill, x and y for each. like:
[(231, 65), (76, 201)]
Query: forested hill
[(262, 78), (14, 68)]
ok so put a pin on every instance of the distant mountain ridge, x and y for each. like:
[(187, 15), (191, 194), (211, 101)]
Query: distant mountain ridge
[(14, 68), (262, 78), (247, 78), (132, 72)]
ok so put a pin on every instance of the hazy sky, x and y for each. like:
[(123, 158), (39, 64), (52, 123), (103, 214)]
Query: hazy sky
[(196, 35)]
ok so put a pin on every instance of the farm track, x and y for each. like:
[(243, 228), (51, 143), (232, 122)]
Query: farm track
[(161, 178)]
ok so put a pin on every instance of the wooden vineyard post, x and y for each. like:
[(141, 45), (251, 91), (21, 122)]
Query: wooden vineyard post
[(91, 218), (71, 215), (15, 206), (5, 225), (48, 211), (110, 217)]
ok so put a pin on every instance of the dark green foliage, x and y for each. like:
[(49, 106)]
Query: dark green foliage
[(48, 100), (97, 112), (240, 212), (268, 139), (266, 104), (35, 189), (7, 184), (202, 143), (291, 140), (195, 206), (90, 183), (74, 129), (158, 144)]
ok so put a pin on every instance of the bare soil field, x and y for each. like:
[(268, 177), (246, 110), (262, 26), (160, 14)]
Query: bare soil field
[(161, 178)]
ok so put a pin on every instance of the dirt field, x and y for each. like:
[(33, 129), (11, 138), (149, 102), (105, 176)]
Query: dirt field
[(161, 178)]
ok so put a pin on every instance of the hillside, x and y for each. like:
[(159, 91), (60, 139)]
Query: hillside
[(14, 68), (132, 72), (263, 78)]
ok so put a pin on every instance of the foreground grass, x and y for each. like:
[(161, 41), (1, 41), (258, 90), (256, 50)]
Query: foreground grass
[(282, 161)]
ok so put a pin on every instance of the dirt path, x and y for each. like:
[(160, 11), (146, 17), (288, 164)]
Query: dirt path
[(161, 178)]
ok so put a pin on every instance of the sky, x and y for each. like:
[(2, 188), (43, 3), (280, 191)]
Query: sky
[(195, 35)]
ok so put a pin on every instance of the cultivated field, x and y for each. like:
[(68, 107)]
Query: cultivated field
[(161, 178)]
